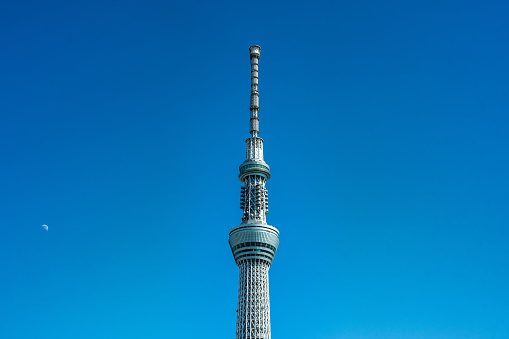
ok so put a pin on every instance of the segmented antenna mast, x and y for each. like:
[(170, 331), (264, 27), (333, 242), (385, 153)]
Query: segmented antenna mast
[(255, 100)]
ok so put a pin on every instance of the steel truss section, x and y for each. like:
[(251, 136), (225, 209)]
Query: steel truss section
[(254, 149), (254, 200), (253, 314)]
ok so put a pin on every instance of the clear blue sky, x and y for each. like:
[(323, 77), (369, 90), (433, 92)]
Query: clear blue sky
[(385, 126)]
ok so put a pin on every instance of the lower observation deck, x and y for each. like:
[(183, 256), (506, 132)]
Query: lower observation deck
[(254, 241)]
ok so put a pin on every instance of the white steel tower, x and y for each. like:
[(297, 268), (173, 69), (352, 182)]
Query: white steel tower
[(253, 242)]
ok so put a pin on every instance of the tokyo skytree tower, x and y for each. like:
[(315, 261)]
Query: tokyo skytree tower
[(253, 242)]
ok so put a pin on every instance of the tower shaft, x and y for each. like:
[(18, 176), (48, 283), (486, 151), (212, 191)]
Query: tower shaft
[(253, 319), (254, 242)]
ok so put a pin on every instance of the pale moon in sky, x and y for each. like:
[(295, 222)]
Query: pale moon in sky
[(45, 227)]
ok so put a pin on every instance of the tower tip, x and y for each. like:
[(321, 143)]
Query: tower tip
[(255, 50)]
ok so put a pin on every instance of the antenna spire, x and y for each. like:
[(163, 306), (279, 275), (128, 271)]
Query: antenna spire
[(255, 100)]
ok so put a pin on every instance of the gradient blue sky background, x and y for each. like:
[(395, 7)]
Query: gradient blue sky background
[(385, 126)]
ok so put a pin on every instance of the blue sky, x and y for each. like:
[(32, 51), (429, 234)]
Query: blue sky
[(385, 126)]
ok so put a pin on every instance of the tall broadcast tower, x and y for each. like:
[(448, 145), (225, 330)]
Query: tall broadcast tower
[(253, 242)]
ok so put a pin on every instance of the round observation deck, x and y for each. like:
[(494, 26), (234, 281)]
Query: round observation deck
[(250, 167), (254, 241)]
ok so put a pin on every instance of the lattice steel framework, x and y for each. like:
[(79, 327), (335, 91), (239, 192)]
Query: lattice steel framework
[(253, 242), (254, 307)]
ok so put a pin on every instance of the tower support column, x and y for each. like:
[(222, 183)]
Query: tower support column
[(253, 313)]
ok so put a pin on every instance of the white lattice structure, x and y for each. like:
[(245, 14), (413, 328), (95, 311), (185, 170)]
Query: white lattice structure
[(254, 305), (253, 242)]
